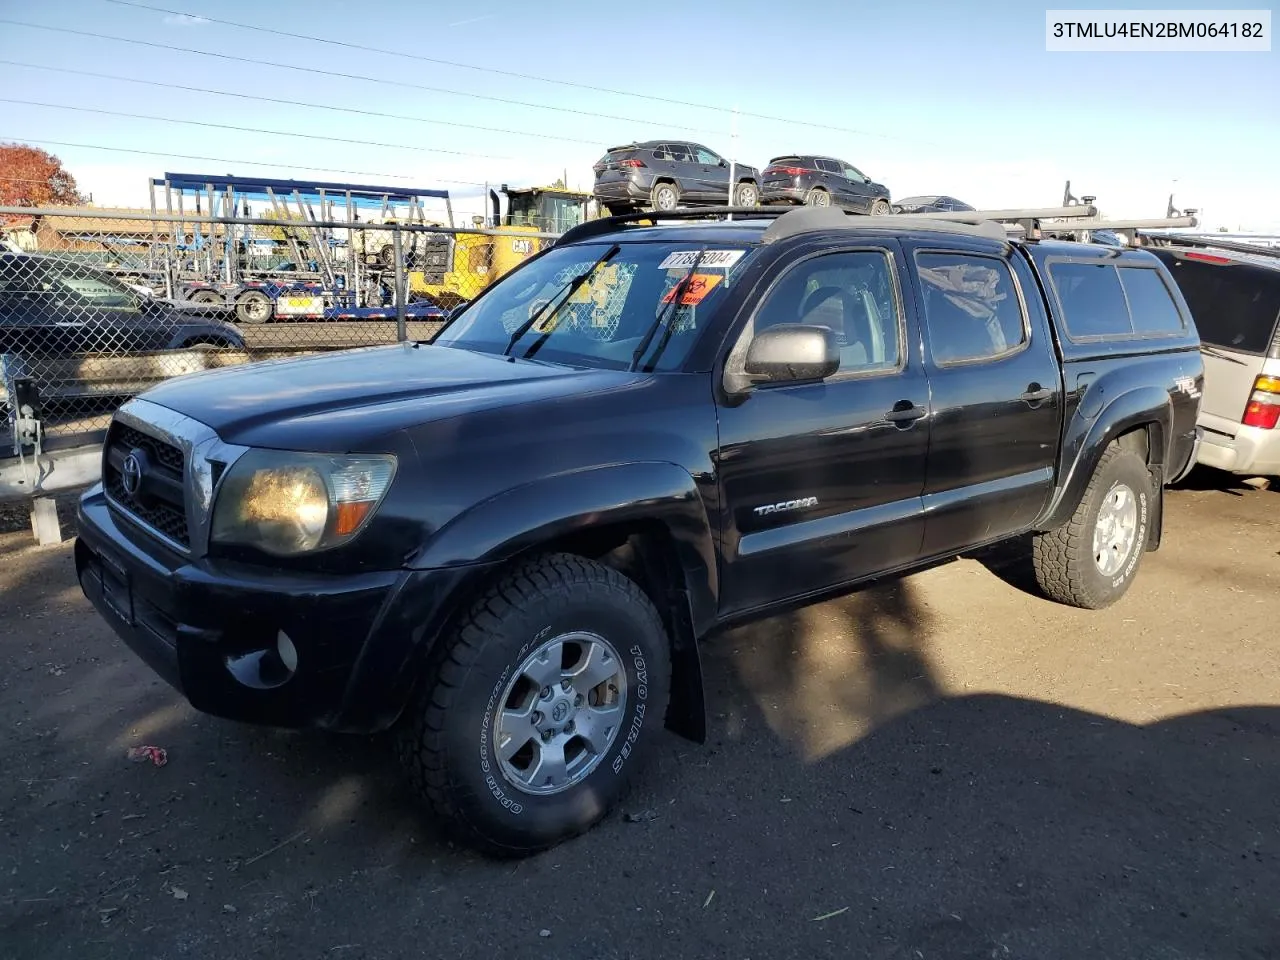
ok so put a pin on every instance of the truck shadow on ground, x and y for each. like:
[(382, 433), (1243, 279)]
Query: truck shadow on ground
[(840, 778)]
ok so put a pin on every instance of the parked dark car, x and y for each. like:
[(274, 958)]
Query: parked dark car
[(822, 182), (507, 544), (665, 174), (932, 204), (55, 306)]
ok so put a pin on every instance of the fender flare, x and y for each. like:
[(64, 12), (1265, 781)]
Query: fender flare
[(1141, 407), (518, 519)]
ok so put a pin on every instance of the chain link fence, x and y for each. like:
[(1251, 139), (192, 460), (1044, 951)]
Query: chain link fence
[(96, 308)]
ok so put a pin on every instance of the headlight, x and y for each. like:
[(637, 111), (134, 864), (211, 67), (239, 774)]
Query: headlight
[(290, 503)]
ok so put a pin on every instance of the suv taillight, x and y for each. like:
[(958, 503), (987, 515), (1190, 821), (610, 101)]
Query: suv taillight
[(1264, 403), (789, 171), (631, 163)]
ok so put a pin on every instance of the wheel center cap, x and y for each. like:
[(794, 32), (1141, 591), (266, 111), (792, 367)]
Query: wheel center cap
[(560, 712)]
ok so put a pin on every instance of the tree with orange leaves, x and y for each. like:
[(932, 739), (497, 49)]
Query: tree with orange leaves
[(31, 177)]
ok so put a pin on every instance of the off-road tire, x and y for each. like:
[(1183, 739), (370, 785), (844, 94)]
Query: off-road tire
[(658, 188), (881, 208), (442, 741), (1063, 558), (744, 186)]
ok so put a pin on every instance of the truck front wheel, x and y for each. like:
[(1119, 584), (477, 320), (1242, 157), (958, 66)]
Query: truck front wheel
[(1091, 560), (537, 710)]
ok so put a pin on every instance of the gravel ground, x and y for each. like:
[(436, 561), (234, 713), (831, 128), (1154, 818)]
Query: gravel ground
[(943, 767)]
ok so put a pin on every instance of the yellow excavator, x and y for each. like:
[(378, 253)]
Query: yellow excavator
[(452, 269)]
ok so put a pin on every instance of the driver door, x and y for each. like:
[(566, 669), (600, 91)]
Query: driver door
[(822, 482)]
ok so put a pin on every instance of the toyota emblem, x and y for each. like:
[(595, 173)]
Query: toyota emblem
[(131, 474)]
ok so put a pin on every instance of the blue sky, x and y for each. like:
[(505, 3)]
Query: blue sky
[(958, 98)]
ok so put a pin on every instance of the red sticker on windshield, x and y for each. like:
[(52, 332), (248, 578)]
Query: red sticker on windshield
[(695, 290)]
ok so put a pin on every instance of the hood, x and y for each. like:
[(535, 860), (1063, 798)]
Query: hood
[(340, 401)]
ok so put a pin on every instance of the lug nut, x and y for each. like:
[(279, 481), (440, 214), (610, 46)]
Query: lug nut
[(546, 736), (577, 701), (568, 727), (546, 693), (536, 718), (565, 684)]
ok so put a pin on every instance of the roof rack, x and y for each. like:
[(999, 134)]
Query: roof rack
[(800, 220), (1234, 246), (1071, 219), (590, 228)]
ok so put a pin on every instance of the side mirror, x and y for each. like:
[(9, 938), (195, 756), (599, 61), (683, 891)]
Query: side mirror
[(453, 314), (793, 352), (724, 162)]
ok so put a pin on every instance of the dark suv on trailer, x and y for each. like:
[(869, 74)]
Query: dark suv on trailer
[(665, 174), (823, 182), (506, 545)]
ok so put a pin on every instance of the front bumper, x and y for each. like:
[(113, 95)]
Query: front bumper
[(211, 629)]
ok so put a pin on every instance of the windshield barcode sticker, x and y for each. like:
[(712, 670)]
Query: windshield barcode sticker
[(684, 259)]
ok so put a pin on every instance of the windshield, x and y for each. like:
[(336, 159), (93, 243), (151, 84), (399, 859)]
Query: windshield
[(545, 212), (94, 288), (605, 319), (48, 280)]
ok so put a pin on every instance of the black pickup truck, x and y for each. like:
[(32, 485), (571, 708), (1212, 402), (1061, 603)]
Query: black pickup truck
[(505, 545)]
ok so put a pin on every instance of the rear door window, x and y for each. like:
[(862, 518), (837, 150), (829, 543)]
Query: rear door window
[(971, 306), (827, 166), (1235, 306)]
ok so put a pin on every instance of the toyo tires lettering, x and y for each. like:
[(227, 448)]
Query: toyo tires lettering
[(637, 722)]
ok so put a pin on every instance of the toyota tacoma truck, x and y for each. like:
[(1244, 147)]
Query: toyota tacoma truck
[(503, 547)]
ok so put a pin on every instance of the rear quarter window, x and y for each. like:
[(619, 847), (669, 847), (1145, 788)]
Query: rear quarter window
[(1104, 301)]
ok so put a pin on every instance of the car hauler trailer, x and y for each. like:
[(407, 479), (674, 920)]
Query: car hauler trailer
[(331, 256)]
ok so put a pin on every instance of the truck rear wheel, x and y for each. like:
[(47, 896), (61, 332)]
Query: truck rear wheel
[(536, 712), (253, 307), (1091, 560)]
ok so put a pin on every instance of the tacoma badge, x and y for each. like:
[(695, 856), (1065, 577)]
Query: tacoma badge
[(785, 506)]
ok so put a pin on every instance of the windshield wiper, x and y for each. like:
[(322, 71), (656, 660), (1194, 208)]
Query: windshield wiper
[(676, 293), (566, 292)]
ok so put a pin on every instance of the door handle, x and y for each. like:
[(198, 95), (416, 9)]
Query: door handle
[(1035, 393), (905, 412)]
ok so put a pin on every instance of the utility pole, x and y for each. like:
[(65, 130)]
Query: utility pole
[(733, 154)]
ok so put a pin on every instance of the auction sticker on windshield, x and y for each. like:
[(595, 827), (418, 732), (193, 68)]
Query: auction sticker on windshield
[(710, 258)]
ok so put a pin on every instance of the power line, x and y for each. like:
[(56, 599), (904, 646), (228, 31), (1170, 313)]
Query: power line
[(344, 76), (504, 73), (240, 129), (293, 103), (246, 163)]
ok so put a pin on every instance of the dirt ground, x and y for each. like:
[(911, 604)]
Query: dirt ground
[(943, 767)]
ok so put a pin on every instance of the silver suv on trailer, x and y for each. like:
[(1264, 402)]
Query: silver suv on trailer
[(1235, 300)]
